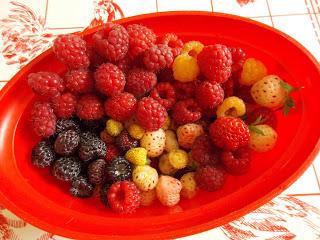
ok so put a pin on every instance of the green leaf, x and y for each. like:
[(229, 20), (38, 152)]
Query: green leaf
[(289, 103), (256, 130), (288, 88), (259, 120)]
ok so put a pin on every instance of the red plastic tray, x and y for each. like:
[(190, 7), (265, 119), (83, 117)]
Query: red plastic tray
[(36, 197)]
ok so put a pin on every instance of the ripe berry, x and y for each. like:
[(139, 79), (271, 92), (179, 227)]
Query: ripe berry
[(81, 187), (118, 169), (266, 116), (173, 41), (157, 57), (210, 178), (67, 143), (43, 119), (238, 58), (91, 147), (121, 107), (193, 48), (124, 197), (66, 168), (42, 154), (263, 138), (209, 95), (79, 81), (124, 141), (112, 152), (186, 111), (112, 41), (66, 124), (215, 63), (231, 107), (46, 84), (153, 142), (253, 70), (71, 50), (150, 114), (110, 80), (204, 152), (165, 94), (139, 82), (188, 133), (229, 133), (184, 90), (96, 171), (64, 106), (89, 107), (237, 162)]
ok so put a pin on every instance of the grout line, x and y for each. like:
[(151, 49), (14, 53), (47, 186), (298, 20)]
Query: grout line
[(46, 13), (270, 13), (317, 177), (312, 22), (157, 6), (283, 15), (4, 80), (303, 194), (211, 5)]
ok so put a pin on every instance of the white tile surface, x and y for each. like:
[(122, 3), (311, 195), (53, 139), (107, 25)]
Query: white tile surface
[(136, 7), (278, 7), (171, 5), (307, 183), (265, 20), (301, 28), (258, 8)]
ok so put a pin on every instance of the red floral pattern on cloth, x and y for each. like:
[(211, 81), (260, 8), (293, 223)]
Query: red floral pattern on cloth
[(105, 11)]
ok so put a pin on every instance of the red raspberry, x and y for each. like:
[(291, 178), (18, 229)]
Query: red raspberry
[(209, 95), (109, 79), (186, 111), (71, 50), (79, 81), (141, 38), (121, 107), (43, 119), (150, 114), (266, 115), (173, 41), (166, 75), (106, 137), (238, 58), (184, 90), (112, 152), (124, 197), (64, 106), (157, 57), (210, 178), (228, 87), (46, 84), (124, 64), (112, 41), (237, 162), (95, 59), (89, 107), (215, 63), (204, 152), (140, 82), (165, 94), (229, 133)]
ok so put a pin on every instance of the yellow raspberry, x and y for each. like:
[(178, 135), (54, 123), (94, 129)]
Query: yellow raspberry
[(178, 158), (185, 68), (253, 70), (137, 156), (166, 124), (114, 127), (193, 48), (165, 165), (231, 107), (189, 185), (136, 131), (171, 141)]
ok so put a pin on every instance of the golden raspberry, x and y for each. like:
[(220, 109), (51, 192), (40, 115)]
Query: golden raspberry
[(136, 131), (178, 158), (231, 107), (137, 156), (253, 70), (171, 141), (193, 48), (165, 165), (114, 127), (185, 68), (189, 185)]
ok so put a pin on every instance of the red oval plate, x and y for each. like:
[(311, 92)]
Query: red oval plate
[(36, 197)]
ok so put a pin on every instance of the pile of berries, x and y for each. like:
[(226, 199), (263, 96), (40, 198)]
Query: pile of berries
[(139, 117)]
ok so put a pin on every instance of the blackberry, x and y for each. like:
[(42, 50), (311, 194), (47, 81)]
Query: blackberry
[(81, 187), (124, 141), (66, 124), (67, 143), (95, 126), (97, 171), (66, 168), (91, 147), (87, 136), (104, 193), (42, 154), (118, 169)]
